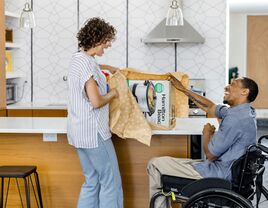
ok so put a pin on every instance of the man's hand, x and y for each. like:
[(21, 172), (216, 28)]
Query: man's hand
[(202, 102), (176, 83), (112, 69), (208, 130)]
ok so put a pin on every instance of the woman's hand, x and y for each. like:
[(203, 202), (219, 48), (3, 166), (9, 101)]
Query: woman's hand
[(93, 93), (111, 69), (114, 93)]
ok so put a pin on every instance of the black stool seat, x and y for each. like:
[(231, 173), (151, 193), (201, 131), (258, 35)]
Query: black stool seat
[(16, 171)]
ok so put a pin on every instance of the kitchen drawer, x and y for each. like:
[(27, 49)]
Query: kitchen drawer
[(49, 113), (36, 113), (3, 113), (19, 113)]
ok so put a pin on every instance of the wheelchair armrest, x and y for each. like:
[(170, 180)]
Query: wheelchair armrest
[(188, 187), (174, 183)]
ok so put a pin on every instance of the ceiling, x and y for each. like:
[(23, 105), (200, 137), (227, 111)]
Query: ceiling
[(248, 6)]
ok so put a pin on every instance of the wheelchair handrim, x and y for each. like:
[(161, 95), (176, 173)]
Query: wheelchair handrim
[(219, 194)]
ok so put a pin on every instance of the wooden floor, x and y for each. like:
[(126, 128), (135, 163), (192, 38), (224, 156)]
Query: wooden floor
[(60, 172)]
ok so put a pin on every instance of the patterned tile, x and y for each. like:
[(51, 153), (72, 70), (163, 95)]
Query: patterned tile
[(113, 12), (54, 41), (53, 44), (206, 60), (143, 16)]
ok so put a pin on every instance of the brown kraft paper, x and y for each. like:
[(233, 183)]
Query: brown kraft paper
[(126, 118)]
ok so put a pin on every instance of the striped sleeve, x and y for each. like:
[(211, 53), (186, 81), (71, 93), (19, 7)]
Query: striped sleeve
[(86, 72)]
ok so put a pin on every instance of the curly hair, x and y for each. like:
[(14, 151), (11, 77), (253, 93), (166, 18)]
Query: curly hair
[(95, 32)]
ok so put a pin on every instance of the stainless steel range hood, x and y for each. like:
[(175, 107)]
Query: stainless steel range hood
[(173, 34)]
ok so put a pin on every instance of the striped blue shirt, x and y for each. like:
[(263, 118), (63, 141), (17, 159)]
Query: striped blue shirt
[(85, 122), (236, 132)]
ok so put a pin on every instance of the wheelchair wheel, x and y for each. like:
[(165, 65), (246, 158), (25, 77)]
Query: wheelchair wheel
[(217, 198)]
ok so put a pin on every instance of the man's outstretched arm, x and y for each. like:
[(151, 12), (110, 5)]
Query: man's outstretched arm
[(205, 104)]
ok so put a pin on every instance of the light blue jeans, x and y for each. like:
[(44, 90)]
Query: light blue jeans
[(102, 187)]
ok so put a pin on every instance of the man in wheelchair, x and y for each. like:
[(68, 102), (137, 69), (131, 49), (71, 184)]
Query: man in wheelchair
[(237, 132)]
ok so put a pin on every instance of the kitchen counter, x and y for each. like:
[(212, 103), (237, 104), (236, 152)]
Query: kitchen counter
[(261, 113), (45, 106), (184, 126), (22, 143), (33, 125)]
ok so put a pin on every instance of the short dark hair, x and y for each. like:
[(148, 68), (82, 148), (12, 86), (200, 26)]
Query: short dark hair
[(95, 32), (252, 86)]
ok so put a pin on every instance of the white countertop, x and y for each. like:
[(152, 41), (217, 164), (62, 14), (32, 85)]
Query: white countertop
[(261, 113), (184, 126), (42, 106), (188, 126), (33, 125)]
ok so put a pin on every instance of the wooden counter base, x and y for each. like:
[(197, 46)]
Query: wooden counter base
[(61, 175)]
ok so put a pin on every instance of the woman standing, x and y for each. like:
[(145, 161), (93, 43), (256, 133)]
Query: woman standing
[(88, 118)]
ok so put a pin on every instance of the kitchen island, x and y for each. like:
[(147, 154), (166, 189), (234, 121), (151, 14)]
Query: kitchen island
[(23, 141)]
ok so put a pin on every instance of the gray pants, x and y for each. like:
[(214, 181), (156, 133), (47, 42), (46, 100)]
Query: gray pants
[(169, 166)]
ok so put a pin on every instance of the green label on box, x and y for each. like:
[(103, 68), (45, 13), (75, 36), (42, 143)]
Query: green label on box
[(159, 87)]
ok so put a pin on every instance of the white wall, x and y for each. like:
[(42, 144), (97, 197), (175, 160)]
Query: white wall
[(238, 42), (206, 60), (54, 41)]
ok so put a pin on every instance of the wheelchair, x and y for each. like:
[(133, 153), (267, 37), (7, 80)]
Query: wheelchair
[(247, 175)]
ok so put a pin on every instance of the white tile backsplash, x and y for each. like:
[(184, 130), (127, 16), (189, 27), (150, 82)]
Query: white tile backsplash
[(54, 41), (113, 12), (206, 60), (143, 17), (53, 44)]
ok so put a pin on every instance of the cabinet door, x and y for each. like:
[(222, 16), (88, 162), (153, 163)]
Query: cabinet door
[(2, 58), (3, 113), (49, 113), (133, 158), (19, 113), (257, 53)]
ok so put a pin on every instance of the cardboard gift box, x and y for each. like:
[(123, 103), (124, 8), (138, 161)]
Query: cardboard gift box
[(178, 101), (153, 96), (126, 117)]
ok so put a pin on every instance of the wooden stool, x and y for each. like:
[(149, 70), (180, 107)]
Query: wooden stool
[(24, 172)]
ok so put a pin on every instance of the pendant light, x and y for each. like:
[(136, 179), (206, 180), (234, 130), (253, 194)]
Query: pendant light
[(27, 19), (174, 15)]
